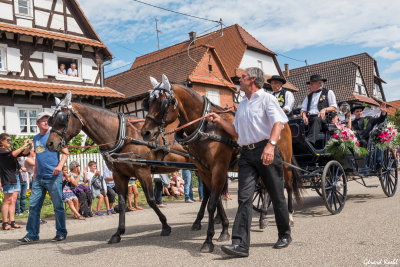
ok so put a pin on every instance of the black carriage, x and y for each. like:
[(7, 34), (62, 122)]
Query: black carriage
[(329, 177)]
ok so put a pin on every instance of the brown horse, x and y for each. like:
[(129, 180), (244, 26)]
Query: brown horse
[(212, 158), (102, 127)]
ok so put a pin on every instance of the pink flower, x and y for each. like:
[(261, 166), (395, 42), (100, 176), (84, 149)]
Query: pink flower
[(357, 144), (335, 135)]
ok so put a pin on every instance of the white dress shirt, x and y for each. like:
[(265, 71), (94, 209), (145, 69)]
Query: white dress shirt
[(255, 118), (315, 100), (73, 73), (289, 100)]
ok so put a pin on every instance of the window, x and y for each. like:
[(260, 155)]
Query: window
[(24, 7), (68, 67), (377, 91), (213, 95), (2, 56), (27, 121)]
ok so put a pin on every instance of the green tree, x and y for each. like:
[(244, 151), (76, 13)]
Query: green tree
[(395, 120)]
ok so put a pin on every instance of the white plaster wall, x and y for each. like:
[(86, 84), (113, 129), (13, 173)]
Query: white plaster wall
[(38, 69), (57, 22), (37, 55), (59, 6), (250, 58), (41, 18), (6, 11), (12, 120), (24, 22), (44, 3), (1, 119), (72, 26)]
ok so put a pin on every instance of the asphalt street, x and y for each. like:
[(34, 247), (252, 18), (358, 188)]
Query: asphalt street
[(365, 233)]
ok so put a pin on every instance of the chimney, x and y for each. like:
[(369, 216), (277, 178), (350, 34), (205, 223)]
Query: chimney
[(192, 37), (287, 73)]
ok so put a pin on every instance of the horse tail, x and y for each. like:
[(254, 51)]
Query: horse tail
[(297, 183)]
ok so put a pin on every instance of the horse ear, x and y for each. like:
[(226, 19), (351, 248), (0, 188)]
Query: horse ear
[(58, 101), (167, 85), (153, 81)]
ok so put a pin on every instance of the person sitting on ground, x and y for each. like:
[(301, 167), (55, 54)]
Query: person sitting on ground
[(98, 187), (81, 190), (68, 196), (132, 189), (62, 70), (111, 190), (177, 185), (73, 71)]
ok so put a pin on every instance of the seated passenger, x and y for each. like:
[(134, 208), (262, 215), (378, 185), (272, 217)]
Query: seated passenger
[(73, 71), (285, 97), (62, 70), (316, 106), (364, 125)]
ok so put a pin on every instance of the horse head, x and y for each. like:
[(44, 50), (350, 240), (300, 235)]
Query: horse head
[(161, 107), (65, 124)]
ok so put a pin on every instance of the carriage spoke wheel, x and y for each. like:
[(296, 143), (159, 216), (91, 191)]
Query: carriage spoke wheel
[(388, 176), (259, 196), (334, 186)]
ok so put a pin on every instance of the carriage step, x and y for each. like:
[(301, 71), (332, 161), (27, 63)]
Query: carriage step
[(372, 185)]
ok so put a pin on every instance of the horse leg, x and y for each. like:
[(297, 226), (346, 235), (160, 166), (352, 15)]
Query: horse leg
[(147, 186), (197, 223), (288, 175), (263, 213), (121, 183), (225, 236)]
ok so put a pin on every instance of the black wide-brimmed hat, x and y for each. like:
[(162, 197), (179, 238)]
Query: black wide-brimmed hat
[(277, 78), (316, 77), (357, 107)]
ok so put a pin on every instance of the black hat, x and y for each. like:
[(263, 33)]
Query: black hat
[(316, 77), (277, 78), (357, 107)]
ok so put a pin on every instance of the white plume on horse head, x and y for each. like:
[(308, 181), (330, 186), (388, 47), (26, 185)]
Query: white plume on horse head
[(58, 101), (154, 82), (165, 83)]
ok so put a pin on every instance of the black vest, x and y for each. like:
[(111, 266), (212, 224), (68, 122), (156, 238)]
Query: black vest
[(282, 93), (322, 102)]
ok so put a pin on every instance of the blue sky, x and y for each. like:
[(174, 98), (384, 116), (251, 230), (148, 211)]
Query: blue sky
[(302, 29)]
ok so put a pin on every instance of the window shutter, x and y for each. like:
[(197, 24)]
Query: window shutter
[(213, 96), (50, 66), (12, 120), (13, 59), (87, 64)]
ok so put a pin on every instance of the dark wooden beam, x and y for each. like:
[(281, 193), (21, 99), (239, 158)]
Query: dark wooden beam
[(30, 93), (53, 6)]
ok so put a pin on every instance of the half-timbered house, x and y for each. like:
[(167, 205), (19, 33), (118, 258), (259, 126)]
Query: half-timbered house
[(36, 38)]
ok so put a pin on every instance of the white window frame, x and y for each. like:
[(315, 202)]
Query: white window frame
[(212, 94), (78, 58), (28, 123), (22, 15), (3, 59)]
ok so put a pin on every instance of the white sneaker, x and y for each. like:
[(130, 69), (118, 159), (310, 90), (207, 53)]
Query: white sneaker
[(189, 201)]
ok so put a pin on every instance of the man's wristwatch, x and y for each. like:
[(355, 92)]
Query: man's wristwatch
[(272, 142)]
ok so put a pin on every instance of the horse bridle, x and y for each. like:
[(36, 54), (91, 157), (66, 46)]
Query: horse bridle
[(63, 119)]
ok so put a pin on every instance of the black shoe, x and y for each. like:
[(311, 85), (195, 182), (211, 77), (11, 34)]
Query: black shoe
[(283, 242), (235, 250), (26, 241), (59, 238)]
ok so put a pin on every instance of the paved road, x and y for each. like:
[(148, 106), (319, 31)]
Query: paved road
[(367, 231)]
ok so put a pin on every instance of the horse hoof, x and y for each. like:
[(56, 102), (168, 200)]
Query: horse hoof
[(291, 223), (114, 239), (224, 237), (207, 248), (217, 220), (196, 227), (166, 231)]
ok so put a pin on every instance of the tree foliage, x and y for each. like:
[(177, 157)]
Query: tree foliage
[(395, 120)]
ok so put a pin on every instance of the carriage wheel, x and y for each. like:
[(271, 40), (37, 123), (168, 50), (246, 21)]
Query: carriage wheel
[(334, 186), (258, 197), (388, 176)]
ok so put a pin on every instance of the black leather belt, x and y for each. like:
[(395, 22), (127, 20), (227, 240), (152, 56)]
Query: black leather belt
[(252, 146)]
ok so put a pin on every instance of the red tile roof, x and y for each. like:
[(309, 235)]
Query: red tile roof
[(230, 47), (395, 105), (44, 87), (365, 99)]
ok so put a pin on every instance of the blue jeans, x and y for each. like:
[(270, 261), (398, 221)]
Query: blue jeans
[(38, 193), (201, 194), (21, 198), (187, 177)]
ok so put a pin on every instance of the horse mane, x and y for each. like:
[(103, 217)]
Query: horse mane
[(102, 110)]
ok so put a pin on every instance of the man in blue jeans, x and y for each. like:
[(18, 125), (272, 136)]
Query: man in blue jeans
[(187, 187), (47, 177)]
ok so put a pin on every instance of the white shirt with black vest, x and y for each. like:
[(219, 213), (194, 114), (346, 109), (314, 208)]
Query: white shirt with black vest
[(289, 99), (256, 117), (315, 100)]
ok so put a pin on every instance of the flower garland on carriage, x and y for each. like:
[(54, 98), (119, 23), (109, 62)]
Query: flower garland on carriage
[(342, 142), (384, 136)]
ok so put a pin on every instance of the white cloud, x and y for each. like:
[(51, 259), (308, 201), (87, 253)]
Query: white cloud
[(387, 53), (392, 89), (118, 63), (279, 25), (394, 67)]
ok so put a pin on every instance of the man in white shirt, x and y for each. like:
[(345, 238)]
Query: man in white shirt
[(258, 124), (285, 97), (316, 106), (73, 71)]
